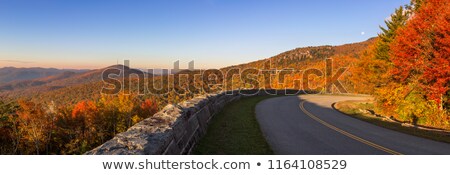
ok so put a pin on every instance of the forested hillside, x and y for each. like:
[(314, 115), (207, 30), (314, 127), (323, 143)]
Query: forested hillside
[(70, 114), (292, 69)]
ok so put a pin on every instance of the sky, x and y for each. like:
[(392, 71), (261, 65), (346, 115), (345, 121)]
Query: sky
[(91, 34)]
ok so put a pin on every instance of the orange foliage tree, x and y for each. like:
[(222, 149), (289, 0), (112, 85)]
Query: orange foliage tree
[(421, 52), (148, 107), (86, 119), (420, 74), (35, 125), (369, 73)]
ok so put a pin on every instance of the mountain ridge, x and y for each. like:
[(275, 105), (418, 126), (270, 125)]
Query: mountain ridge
[(66, 82), (58, 81)]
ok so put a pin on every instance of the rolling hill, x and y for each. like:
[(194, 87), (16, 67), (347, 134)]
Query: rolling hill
[(65, 79), (12, 74), (309, 54)]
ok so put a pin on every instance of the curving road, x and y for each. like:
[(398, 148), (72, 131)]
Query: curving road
[(308, 125)]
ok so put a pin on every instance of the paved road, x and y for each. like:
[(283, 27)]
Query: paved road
[(307, 125)]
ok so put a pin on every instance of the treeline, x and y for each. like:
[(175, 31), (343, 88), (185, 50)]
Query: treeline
[(407, 69), (27, 127)]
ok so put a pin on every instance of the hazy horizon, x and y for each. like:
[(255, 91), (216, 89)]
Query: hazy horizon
[(183, 63)]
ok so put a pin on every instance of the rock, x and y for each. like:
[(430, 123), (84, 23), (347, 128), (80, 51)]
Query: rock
[(173, 130)]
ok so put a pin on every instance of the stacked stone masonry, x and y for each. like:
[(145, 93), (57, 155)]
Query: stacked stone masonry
[(176, 129)]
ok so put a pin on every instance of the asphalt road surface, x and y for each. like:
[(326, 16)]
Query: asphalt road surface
[(308, 125)]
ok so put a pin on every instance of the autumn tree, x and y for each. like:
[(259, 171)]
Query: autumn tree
[(109, 111), (34, 123), (370, 72), (147, 108), (85, 115), (125, 104), (9, 134), (421, 52)]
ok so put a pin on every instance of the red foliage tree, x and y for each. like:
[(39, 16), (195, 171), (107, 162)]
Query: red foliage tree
[(85, 113), (148, 107), (34, 123), (421, 52)]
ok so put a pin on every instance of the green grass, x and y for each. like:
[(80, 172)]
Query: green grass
[(235, 131), (351, 108)]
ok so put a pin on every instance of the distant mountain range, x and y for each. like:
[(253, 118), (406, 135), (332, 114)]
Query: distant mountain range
[(35, 80), (10, 74)]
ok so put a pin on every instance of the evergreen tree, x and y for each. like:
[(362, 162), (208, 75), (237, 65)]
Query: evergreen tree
[(396, 21), (415, 5)]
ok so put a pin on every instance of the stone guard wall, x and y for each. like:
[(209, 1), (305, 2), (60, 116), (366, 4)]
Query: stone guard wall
[(176, 129)]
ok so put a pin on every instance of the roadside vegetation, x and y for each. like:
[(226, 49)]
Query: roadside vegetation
[(406, 70), (364, 110), (235, 131)]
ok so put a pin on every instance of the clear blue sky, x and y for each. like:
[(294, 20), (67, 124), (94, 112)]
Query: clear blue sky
[(154, 33)]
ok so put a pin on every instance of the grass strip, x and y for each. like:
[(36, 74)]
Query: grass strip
[(235, 131)]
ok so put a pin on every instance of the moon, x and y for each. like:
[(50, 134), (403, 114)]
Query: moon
[(363, 33)]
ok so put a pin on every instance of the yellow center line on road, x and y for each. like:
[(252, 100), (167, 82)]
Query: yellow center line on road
[(379, 147)]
